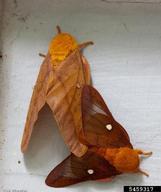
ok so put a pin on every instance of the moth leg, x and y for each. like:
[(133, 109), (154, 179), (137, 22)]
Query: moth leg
[(140, 152), (58, 29), (42, 55), (85, 44), (143, 172)]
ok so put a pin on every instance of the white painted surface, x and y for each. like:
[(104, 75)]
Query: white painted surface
[(126, 68)]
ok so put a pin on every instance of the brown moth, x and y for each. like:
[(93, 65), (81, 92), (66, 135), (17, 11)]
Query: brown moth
[(110, 151), (62, 75)]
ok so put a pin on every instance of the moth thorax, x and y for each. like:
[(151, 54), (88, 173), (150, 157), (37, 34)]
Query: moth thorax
[(61, 46), (126, 160)]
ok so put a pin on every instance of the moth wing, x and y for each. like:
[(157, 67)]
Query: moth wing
[(86, 70), (74, 170), (36, 103), (99, 127), (44, 91), (64, 99)]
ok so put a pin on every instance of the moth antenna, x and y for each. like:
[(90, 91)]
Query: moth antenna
[(140, 152), (143, 172), (85, 44), (58, 29), (147, 153), (42, 55)]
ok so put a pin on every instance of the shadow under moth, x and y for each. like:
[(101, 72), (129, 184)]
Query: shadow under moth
[(100, 147)]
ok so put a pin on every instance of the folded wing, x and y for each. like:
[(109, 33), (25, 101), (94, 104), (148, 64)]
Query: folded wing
[(99, 127), (74, 170)]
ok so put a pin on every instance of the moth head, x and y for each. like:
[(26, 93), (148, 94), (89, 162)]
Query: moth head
[(127, 160), (61, 46)]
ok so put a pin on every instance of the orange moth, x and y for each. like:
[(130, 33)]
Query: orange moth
[(62, 75)]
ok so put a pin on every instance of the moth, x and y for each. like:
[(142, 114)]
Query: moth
[(100, 147), (110, 151), (62, 75)]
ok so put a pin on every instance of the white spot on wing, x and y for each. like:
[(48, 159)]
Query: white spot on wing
[(90, 171), (109, 127)]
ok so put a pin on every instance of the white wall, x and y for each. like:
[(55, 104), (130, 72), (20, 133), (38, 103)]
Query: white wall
[(126, 68)]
